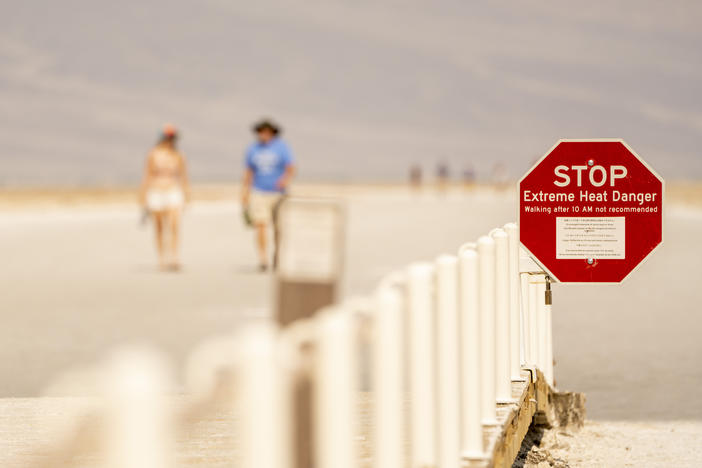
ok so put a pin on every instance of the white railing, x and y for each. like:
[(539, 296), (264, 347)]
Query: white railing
[(446, 341)]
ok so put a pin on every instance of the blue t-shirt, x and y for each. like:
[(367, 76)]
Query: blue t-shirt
[(268, 163)]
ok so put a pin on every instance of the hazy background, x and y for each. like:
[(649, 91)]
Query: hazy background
[(363, 90)]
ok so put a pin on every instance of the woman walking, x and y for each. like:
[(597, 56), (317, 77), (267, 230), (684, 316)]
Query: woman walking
[(164, 191)]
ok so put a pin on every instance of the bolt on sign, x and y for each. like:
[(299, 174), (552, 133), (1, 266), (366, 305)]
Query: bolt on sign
[(591, 211)]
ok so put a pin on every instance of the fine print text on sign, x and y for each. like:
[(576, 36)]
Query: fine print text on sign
[(602, 237), (590, 211)]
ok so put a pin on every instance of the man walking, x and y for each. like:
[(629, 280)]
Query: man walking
[(269, 170)]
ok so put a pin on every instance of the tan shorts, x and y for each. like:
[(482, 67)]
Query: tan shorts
[(261, 205)]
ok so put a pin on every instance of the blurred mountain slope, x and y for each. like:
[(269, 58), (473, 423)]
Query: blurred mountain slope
[(363, 89)]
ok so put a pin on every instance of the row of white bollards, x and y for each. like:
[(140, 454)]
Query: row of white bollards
[(473, 322), (448, 339)]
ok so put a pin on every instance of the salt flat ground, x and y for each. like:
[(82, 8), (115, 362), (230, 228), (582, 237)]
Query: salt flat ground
[(619, 444), (31, 429), (78, 281)]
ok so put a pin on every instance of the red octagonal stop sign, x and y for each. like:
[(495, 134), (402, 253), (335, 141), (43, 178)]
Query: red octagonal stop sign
[(590, 211)]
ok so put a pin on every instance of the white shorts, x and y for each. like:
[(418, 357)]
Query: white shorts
[(162, 200), (261, 205)]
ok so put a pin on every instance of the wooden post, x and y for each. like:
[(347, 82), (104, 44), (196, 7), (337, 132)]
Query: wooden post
[(300, 299), (310, 256)]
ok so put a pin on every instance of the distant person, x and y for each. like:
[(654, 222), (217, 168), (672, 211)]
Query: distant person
[(500, 176), (415, 176), (164, 191), (469, 176), (269, 170), (442, 175)]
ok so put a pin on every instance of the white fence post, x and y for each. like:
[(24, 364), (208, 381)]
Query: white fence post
[(422, 358), (541, 332), (503, 386), (471, 388), (549, 345), (534, 349), (486, 298), (525, 306), (514, 316), (447, 327), (388, 367), (138, 429), (335, 389), (206, 364), (263, 400)]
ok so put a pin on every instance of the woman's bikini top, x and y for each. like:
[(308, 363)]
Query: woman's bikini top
[(165, 163)]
